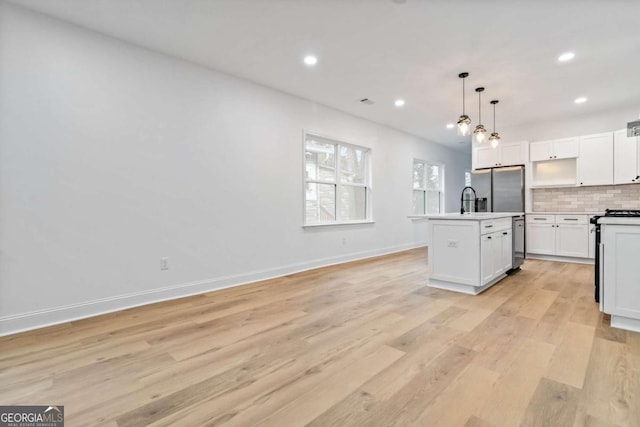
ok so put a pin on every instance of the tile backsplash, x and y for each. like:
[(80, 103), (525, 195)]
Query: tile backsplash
[(586, 199)]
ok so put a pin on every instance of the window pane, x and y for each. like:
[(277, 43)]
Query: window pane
[(467, 179), (418, 175), (433, 202), (433, 177), (418, 202), (320, 203), (352, 165), (353, 203), (320, 161)]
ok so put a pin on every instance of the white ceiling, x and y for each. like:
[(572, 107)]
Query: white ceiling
[(388, 49)]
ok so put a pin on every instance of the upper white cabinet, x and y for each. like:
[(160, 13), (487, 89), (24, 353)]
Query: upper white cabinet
[(564, 148), (505, 154), (595, 160), (625, 158)]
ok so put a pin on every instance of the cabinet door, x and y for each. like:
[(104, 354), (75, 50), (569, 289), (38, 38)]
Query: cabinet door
[(541, 238), (595, 163), (540, 150), (486, 157), (486, 255), (506, 257), (511, 154), (621, 269), (565, 148), (625, 158), (572, 240)]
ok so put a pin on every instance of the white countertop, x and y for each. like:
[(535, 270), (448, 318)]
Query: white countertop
[(471, 216), (566, 213)]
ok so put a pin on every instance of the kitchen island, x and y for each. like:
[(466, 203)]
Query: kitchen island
[(470, 252)]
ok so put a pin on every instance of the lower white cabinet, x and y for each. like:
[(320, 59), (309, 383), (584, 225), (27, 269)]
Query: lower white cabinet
[(496, 254), (559, 235), (621, 288)]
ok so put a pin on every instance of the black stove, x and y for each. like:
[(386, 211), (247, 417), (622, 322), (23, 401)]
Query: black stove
[(594, 220)]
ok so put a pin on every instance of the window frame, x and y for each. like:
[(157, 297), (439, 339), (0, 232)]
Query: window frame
[(425, 190), (338, 184)]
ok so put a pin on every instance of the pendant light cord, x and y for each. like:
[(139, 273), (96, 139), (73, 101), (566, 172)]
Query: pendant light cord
[(479, 108), (494, 118), (463, 113)]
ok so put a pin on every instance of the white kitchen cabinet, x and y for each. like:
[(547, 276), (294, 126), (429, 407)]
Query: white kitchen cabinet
[(496, 254), (564, 148), (541, 238), (625, 158), (595, 162), (558, 235), (505, 154), (620, 294), (469, 253), (506, 258), (572, 240)]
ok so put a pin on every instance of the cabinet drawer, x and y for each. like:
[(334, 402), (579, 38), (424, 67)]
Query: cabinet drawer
[(541, 219), (495, 225), (572, 219)]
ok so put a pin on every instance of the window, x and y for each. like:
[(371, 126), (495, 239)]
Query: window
[(428, 188), (467, 178), (337, 182)]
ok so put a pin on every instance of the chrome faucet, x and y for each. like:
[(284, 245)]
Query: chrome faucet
[(475, 197)]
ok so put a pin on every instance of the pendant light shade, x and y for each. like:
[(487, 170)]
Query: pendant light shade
[(464, 122), (480, 133), (494, 139)]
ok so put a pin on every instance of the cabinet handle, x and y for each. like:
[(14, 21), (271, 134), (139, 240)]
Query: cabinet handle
[(489, 237), (582, 183), (505, 233), (488, 226), (539, 219), (570, 219)]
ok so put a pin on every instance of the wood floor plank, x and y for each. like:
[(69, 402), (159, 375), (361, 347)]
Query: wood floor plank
[(570, 360), (553, 404), (511, 394)]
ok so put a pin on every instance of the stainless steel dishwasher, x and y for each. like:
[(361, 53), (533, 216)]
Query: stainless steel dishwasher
[(519, 236)]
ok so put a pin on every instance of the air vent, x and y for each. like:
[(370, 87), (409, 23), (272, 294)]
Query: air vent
[(633, 128), (367, 101)]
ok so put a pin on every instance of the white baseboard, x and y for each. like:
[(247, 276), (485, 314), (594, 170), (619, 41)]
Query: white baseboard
[(52, 316), (561, 258)]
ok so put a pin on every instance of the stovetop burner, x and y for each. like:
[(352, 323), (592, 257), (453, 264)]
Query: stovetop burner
[(622, 212)]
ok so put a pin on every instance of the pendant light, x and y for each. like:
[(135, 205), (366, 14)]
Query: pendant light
[(494, 139), (464, 122), (480, 133)]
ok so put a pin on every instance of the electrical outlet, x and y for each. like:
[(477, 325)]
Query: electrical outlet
[(452, 243), (344, 240), (164, 263)]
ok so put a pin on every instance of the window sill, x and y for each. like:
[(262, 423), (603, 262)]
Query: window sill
[(333, 224), (419, 217)]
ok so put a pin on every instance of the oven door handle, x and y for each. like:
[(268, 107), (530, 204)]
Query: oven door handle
[(601, 275)]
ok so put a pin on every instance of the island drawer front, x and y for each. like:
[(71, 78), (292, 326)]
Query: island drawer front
[(494, 225), (572, 219), (542, 219)]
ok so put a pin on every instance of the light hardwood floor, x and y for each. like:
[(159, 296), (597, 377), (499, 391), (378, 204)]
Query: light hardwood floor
[(365, 343)]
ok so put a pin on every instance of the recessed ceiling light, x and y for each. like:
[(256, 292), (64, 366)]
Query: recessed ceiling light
[(567, 56), (310, 60), (450, 125), (580, 100), (399, 102)]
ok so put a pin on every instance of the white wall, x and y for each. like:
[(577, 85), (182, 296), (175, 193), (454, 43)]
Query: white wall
[(112, 156), (596, 122)]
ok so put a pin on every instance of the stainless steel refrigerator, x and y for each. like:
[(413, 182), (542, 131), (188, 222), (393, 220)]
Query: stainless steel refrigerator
[(499, 189), (502, 190)]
